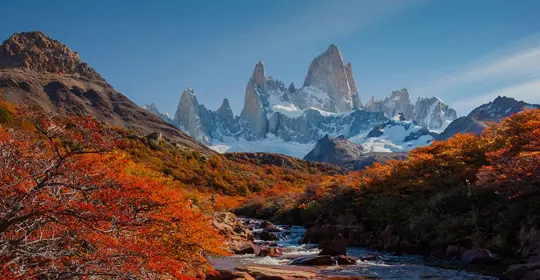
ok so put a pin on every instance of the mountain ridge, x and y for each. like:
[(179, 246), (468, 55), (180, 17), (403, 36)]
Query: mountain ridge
[(327, 103), (35, 69)]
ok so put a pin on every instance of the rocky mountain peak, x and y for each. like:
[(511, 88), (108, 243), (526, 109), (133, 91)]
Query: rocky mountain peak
[(433, 113), (35, 51), (187, 115), (291, 88), (259, 75), (254, 110), (225, 112), (328, 74), (350, 78), (401, 96), (334, 150), (151, 107)]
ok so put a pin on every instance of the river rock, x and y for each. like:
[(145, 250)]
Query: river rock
[(230, 275), (517, 271), (520, 271), (242, 247), (270, 252), (270, 272), (344, 260), (454, 252), (479, 256), (268, 236), (313, 260), (239, 237), (337, 247), (532, 275)]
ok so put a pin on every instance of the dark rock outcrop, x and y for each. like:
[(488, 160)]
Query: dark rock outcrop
[(340, 151), (344, 260), (229, 275), (336, 247), (479, 256), (270, 252), (312, 260), (478, 119), (239, 237)]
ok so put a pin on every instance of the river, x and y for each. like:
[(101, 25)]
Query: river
[(386, 266)]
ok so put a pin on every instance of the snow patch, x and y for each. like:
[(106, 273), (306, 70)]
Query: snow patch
[(271, 144)]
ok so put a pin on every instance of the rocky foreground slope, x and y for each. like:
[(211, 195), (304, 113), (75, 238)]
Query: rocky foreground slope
[(35, 69)]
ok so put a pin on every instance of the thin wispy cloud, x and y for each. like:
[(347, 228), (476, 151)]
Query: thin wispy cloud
[(321, 20), (528, 91), (512, 71)]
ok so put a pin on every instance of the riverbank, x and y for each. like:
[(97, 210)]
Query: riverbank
[(366, 264)]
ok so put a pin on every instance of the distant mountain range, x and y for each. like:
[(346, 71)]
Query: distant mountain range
[(285, 119), (35, 69)]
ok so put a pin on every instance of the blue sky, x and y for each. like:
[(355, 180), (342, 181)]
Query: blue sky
[(465, 52)]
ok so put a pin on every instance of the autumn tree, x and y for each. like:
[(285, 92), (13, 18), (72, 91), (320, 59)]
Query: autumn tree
[(72, 206)]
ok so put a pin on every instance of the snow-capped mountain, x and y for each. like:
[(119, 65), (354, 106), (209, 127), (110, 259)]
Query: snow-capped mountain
[(152, 108), (479, 118), (341, 151), (283, 119), (431, 112)]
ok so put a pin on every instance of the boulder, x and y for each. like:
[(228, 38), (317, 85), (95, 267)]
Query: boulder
[(230, 275), (479, 256), (454, 252), (272, 272), (520, 271), (532, 275), (270, 252), (239, 237), (313, 260), (337, 247), (344, 260), (242, 248), (516, 272), (271, 228), (229, 226), (268, 236)]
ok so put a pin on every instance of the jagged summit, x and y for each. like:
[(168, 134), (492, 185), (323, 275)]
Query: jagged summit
[(327, 73), (258, 74), (35, 51), (327, 103)]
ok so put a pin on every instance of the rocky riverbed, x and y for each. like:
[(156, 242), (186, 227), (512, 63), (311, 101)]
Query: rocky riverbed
[(266, 251)]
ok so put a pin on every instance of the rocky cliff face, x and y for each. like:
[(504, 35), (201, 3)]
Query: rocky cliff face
[(254, 112), (398, 102), (225, 113), (37, 52), (328, 84), (478, 119), (188, 116), (37, 70), (433, 113), (327, 103)]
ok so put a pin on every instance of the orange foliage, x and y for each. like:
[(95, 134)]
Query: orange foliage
[(72, 206)]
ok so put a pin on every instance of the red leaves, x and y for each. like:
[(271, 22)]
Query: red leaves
[(72, 206)]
